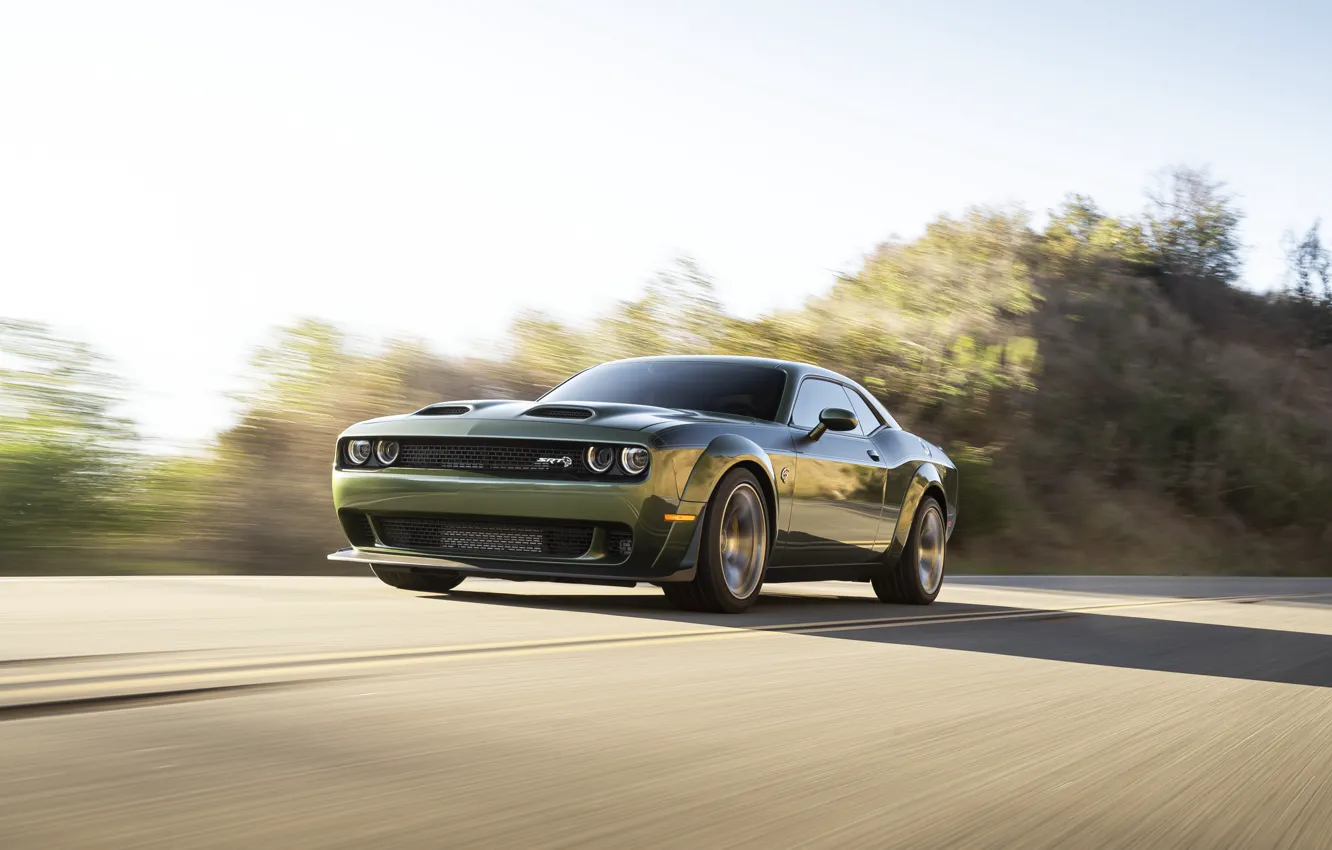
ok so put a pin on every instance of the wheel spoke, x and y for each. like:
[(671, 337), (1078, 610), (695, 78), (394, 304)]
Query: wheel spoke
[(744, 541), (930, 550)]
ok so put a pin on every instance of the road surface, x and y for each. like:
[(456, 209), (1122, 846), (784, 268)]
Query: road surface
[(340, 713)]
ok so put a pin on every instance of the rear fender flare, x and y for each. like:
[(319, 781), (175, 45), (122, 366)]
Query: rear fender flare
[(926, 478)]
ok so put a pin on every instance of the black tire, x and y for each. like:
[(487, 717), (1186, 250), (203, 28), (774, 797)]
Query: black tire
[(404, 579), (709, 590), (902, 582)]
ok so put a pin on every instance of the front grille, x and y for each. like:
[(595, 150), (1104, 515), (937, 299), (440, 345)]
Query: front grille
[(491, 455), (560, 412), (449, 535)]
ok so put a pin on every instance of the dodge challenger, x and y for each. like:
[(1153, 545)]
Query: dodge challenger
[(706, 476)]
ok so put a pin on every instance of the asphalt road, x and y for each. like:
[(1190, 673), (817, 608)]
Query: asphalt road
[(334, 712)]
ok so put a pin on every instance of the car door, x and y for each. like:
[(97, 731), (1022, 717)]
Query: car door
[(896, 451), (839, 483)]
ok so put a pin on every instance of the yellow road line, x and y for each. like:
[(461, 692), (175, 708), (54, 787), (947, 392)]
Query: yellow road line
[(42, 687)]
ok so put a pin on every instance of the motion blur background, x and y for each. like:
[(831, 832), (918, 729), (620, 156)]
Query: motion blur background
[(1079, 249)]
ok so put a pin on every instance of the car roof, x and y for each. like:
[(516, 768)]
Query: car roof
[(791, 366)]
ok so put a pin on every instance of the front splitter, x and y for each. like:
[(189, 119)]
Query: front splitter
[(499, 570)]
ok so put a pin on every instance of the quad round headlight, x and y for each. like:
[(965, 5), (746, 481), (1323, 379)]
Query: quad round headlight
[(358, 452), (600, 458), (386, 451), (634, 459)]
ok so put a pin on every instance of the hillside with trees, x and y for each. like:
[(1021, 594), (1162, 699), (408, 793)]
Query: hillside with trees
[(1116, 400)]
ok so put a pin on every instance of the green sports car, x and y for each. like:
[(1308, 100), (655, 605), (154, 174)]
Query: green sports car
[(707, 476)]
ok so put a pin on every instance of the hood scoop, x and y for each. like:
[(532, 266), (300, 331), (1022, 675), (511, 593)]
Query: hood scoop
[(443, 410), (551, 411)]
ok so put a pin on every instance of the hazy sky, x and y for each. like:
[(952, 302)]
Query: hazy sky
[(178, 178)]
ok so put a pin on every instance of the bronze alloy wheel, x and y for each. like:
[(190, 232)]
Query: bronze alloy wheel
[(930, 549), (733, 554), (744, 541), (918, 574)]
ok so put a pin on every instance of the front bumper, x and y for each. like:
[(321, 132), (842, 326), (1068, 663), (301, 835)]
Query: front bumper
[(661, 551), (518, 570)]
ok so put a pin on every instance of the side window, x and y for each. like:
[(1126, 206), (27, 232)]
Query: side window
[(866, 415), (815, 396)]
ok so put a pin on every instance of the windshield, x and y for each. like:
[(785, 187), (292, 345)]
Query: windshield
[(738, 389)]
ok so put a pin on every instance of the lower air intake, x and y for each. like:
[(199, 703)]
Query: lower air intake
[(619, 542), (356, 526), (484, 537)]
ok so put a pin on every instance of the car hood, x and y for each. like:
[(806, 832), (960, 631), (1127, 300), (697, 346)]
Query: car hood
[(506, 417)]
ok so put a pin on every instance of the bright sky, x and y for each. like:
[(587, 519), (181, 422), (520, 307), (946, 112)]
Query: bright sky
[(178, 178)]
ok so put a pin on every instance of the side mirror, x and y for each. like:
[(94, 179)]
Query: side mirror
[(834, 419)]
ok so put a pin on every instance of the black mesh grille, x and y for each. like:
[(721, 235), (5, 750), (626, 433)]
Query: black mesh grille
[(447, 535), (356, 526), (443, 410), (560, 412), (493, 455), (619, 542)]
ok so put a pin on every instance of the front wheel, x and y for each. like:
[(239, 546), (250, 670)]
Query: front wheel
[(917, 576), (734, 551), (408, 580)]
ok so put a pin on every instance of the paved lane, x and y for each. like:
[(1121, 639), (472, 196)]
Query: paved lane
[(1049, 712)]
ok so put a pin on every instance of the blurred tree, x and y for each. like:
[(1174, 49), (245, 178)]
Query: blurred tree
[(268, 500), (1191, 225), (937, 325), (1151, 398), (677, 313), (1309, 283), (1309, 266), (1079, 238), (264, 504), (64, 454)]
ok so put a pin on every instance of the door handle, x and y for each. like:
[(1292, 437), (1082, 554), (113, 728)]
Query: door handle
[(872, 453)]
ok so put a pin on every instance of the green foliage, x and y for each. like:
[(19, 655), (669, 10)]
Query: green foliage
[(1191, 225), (271, 474), (1079, 239), (678, 313), (939, 323), (981, 495), (1309, 267), (1309, 284), (63, 453)]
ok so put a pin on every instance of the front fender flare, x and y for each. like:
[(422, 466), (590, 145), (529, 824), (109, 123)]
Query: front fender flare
[(926, 477), (715, 460), (720, 455)]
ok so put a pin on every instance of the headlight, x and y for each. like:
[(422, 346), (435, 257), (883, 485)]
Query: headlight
[(358, 452), (634, 460), (600, 458), (387, 452)]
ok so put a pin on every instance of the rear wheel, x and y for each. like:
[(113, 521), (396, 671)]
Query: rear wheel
[(404, 579), (734, 551), (918, 575)]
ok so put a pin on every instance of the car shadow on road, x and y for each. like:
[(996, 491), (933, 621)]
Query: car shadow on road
[(1078, 637), (1312, 591)]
